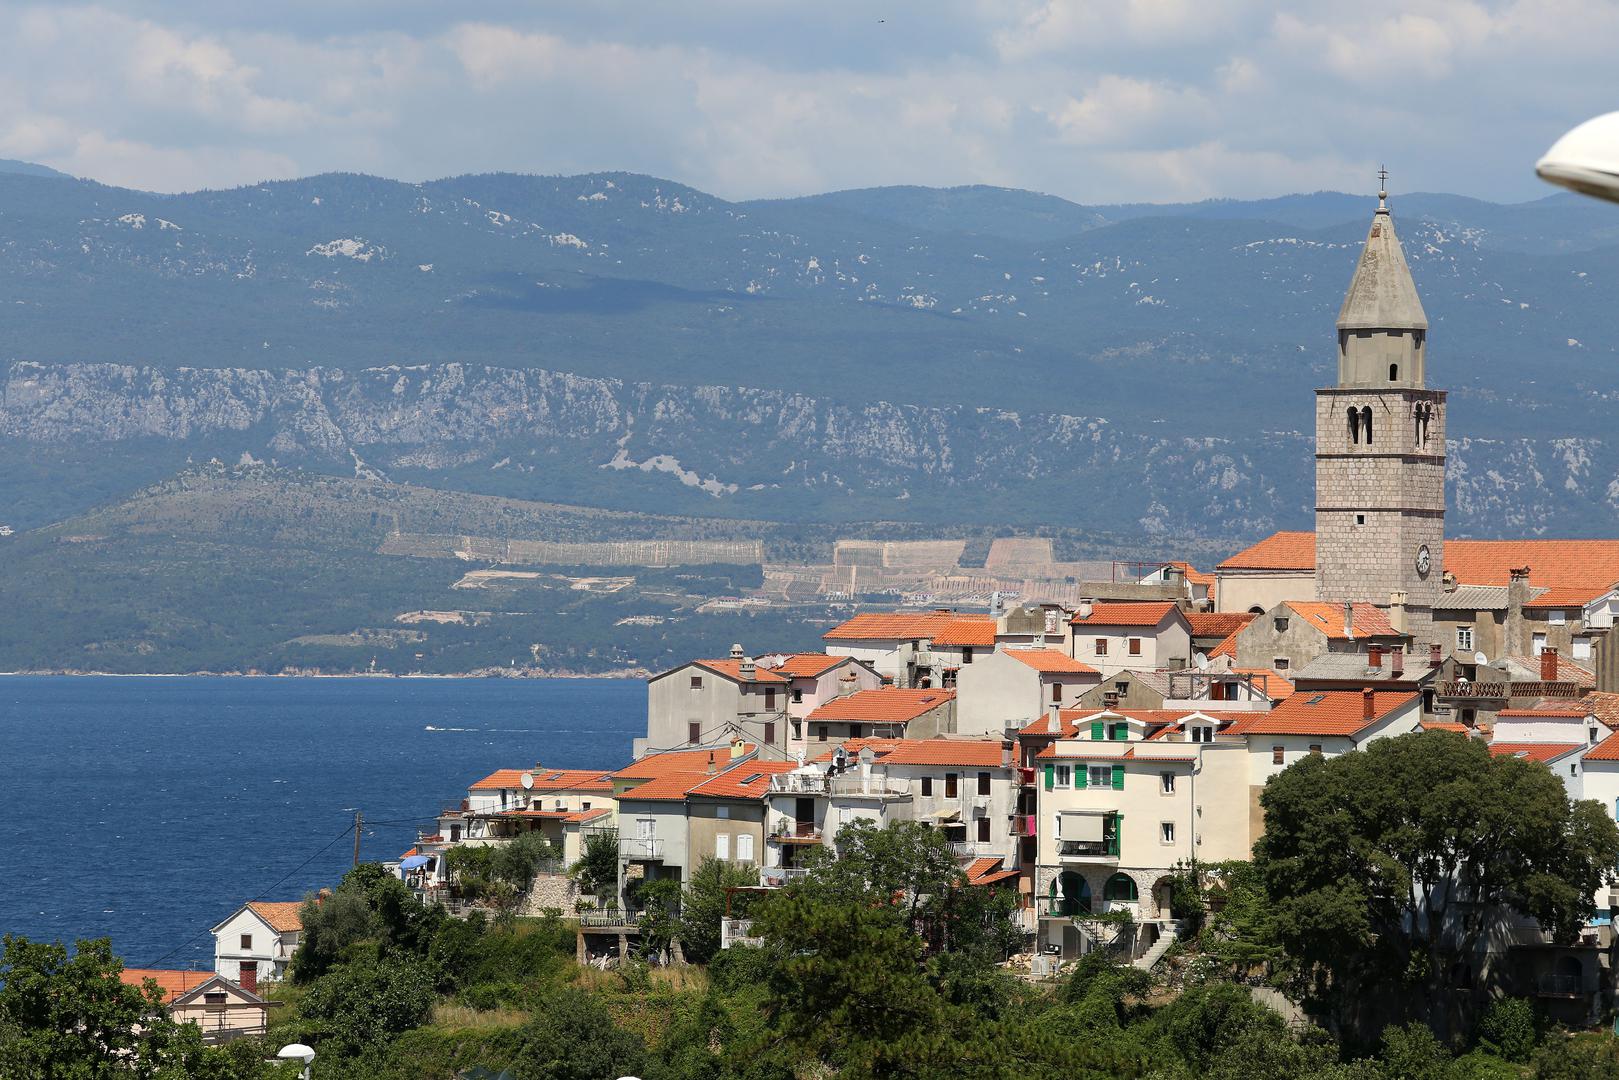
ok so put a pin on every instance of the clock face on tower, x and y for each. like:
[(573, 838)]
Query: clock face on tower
[(1424, 560)]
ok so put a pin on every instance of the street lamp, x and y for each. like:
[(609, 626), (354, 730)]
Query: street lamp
[(298, 1052), (1586, 159)]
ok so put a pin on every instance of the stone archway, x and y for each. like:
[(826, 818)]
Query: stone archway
[(1162, 895)]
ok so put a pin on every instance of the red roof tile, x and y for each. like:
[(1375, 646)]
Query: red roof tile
[(968, 753), (1218, 623), (1123, 613), (1606, 750), (581, 816), (807, 665), (888, 705), (1228, 647), (1193, 574), (749, 780), (1567, 670), (1325, 712), (1278, 551), (174, 984), (1534, 751), (546, 780), (732, 669), (1051, 662), (969, 631), (1604, 707), (1273, 683), (1564, 710), (669, 787), (677, 761), (1445, 725), (898, 625), (1328, 617), (282, 915)]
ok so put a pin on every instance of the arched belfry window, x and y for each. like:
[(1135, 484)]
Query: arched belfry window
[(1354, 424), (1366, 423), (1394, 373)]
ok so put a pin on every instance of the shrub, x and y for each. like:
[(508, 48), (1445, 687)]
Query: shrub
[(1507, 1029)]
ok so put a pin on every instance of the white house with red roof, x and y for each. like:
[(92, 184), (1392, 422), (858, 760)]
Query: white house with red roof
[(1011, 686), (221, 1009), (890, 712), (900, 644), (1327, 722), (813, 680), (257, 940), (1116, 635)]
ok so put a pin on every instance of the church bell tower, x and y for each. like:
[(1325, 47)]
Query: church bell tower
[(1380, 447)]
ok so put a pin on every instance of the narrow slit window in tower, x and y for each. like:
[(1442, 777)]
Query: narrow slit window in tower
[(1366, 423), (1354, 425)]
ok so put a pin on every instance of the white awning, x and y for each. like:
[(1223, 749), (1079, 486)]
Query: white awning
[(1080, 827), (944, 815)]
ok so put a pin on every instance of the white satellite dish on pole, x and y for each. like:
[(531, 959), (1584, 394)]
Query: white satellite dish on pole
[(1480, 659), (1586, 160), (527, 780), (1201, 660)]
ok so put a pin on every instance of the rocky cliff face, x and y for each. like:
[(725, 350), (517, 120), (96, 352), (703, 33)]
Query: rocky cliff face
[(736, 451)]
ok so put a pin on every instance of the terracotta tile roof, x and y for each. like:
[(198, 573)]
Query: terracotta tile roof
[(1606, 750), (898, 625), (1445, 725), (750, 780), (1150, 717), (1228, 647), (1081, 751), (677, 761), (1565, 596), (851, 747), (282, 915), (1325, 712), (1218, 623), (888, 705), (1562, 709), (1275, 685), (1575, 568), (1068, 721), (967, 753), (1604, 707), (668, 787), (1126, 613), (546, 780), (732, 669), (174, 984), (1278, 551), (582, 816), (1328, 617), (1546, 752), (987, 872), (1051, 662), (1567, 670), (807, 665), (1193, 574), (970, 631)]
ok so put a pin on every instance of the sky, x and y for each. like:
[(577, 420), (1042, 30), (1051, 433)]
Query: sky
[(1097, 101)]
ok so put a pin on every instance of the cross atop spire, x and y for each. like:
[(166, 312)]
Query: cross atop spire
[(1382, 189)]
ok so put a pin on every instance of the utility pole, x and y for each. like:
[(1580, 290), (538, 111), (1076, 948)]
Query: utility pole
[(358, 818)]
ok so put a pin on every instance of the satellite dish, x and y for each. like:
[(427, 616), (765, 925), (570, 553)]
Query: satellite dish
[(867, 755), (1480, 659), (527, 780), (1201, 661), (1586, 159)]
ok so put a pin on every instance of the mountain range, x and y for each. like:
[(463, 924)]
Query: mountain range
[(972, 355)]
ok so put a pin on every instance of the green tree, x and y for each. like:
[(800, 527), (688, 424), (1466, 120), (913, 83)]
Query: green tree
[(597, 868), (713, 884), (369, 907), (363, 1004), (573, 1037), (1508, 1029), (1365, 855)]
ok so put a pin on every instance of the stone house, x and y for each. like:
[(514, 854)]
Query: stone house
[(889, 713), (1295, 632), (711, 702), (1115, 636)]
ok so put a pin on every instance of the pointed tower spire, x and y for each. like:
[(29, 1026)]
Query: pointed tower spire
[(1381, 326)]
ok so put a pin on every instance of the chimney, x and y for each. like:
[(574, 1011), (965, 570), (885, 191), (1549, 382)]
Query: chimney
[(1448, 581), (1374, 657), (1397, 602), (1349, 620), (1397, 662), (848, 683), (738, 748), (747, 669), (1436, 654), (711, 765), (1085, 608), (249, 978), (1054, 718), (1548, 665), (1368, 705), (1110, 699), (736, 652), (1516, 641)]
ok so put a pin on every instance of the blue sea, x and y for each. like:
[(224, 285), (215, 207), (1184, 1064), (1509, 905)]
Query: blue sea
[(147, 809)]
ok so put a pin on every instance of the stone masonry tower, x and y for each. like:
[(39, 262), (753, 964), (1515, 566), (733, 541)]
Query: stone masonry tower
[(1380, 447)]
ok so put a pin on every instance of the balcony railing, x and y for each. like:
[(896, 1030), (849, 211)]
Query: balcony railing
[(795, 832), (1107, 848), (1462, 688), (967, 849), (1561, 985), (774, 877), (1025, 777), (610, 918), (820, 784), (639, 847)]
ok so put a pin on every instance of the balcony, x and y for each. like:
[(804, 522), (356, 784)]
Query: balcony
[(774, 877), (1562, 986), (611, 919), (1025, 777), (640, 848), (847, 786), (1105, 850), (968, 849), (795, 832), (1466, 690), (738, 932), (1024, 825)]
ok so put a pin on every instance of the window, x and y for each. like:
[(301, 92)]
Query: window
[(770, 699), (1166, 832), (455, 833), (1280, 663), (1063, 777), (694, 732), (1122, 687), (1574, 770), (1354, 424), (967, 655), (1276, 755), (797, 694), (1120, 887), (1315, 748), (213, 1000), (927, 784), (1464, 638), (722, 846), (1101, 776), (696, 682), (744, 847), (1101, 646), (1166, 783), (983, 830), (1366, 423), (1118, 732), (1360, 519), (845, 815), (770, 733), (950, 785), (247, 942), (1135, 646), (1280, 623), (856, 731), (1593, 734), (1056, 693), (1581, 648), (584, 804), (983, 783), (723, 811), (821, 735), (1538, 645), (1557, 617)]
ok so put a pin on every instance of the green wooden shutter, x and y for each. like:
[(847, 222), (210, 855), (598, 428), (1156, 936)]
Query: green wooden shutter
[(1097, 732), (1081, 774), (1051, 776), (1118, 778), (1118, 833)]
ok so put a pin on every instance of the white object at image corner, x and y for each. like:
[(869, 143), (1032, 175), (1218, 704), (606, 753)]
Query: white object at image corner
[(1586, 160)]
